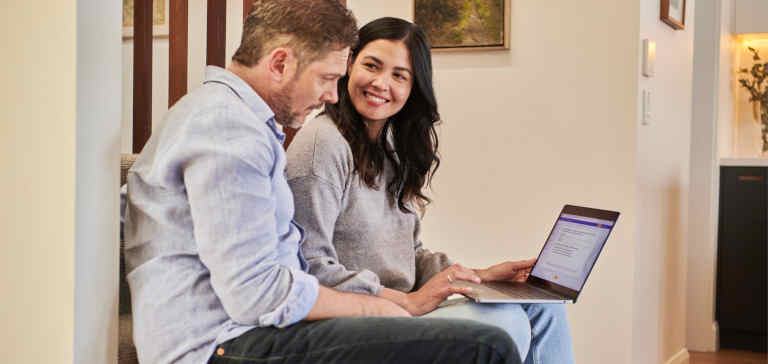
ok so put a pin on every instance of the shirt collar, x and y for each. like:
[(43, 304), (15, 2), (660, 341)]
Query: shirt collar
[(246, 93)]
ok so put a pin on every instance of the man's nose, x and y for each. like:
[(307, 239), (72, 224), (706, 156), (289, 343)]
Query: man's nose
[(330, 96)]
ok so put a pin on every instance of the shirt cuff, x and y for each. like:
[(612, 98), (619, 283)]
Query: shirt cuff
[(370, 282), (296, 306)]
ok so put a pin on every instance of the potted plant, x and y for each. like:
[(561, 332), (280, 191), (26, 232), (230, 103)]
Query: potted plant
[(755, 82)]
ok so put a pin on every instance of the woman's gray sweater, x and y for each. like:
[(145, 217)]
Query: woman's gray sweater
[(357, 238)]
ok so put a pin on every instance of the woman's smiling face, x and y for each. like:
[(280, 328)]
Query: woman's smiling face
[(380, 79)]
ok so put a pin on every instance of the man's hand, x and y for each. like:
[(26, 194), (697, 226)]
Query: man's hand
[(508, 271)]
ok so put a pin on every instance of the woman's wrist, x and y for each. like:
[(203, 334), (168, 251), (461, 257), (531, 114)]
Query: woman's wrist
[(484, 274), (400, 298)]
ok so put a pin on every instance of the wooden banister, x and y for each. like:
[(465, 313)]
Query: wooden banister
[(217, 33), (178, 44), (142, 73)]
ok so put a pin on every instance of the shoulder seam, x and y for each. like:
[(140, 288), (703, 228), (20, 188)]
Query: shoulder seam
[(312, 167)]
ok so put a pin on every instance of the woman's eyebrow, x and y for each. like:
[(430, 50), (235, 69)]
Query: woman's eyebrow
[(378, 61), (372, 58), (404, 69)]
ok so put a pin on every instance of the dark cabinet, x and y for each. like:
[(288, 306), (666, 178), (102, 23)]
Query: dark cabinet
[(742, 241)]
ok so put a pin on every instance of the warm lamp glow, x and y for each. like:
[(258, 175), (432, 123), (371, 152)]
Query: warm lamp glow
[(753, 39)]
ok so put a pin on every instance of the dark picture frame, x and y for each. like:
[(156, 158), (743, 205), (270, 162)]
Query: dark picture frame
[(673, 13), (455, 25)]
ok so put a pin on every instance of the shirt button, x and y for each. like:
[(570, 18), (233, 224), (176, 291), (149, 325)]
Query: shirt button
[(220, 351)]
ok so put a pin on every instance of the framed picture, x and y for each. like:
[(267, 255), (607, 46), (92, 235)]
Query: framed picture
[(464, 25), (673, 13), (160, 15)]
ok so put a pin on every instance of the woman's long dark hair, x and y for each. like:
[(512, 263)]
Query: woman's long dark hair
[(415, 158)]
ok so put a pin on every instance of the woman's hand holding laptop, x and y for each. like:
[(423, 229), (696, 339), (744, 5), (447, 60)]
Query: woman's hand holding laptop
[(517, 271)]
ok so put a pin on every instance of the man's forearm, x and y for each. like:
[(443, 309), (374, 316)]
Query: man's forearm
[(332, 303)]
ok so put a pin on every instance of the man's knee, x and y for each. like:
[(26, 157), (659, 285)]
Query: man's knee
[(490, 343), (496, 345)]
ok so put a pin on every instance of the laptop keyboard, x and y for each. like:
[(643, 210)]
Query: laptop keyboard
[(502, 290), (520, 290)]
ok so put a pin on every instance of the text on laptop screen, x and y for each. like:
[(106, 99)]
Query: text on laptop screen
[(571, 250)]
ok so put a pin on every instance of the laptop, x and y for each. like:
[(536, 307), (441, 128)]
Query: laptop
[(563, 266)]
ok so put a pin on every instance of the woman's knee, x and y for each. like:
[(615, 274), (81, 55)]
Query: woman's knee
[(548, 318), (547, 312), (514, 321)]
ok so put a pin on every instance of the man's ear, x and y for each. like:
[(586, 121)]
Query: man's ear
[(281, 64), (350, 62)]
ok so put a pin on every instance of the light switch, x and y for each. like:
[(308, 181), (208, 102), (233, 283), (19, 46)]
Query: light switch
[(646, 107)]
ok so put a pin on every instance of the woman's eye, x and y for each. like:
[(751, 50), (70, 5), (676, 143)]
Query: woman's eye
[(401, 77), (370, 66)]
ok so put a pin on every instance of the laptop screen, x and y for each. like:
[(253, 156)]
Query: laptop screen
[(571, 250)]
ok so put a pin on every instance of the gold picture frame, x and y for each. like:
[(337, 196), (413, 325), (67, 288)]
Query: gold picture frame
[(160, 14), (464, 25)]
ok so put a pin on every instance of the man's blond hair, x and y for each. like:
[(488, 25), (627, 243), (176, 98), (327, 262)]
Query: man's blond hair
[(311, 28)]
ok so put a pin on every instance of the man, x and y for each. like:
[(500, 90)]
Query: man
[(215, 269)]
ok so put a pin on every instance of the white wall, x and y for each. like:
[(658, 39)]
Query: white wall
[(663, 158), (59, 104), (750, 16), (728, 85), (701, 329), (37, 222), (549, 122), (98, 177)]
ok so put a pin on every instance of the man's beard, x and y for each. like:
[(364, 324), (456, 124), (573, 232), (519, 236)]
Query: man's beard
[(281, 104)]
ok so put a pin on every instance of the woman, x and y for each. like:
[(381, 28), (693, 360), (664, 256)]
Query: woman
[(357, 173)]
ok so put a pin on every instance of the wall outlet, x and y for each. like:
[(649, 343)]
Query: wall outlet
[(646, 107)]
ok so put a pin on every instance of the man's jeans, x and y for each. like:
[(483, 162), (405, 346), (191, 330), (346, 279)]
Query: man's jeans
[(372, 340)]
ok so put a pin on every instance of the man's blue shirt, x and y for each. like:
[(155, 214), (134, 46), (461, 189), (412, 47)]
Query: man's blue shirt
[(211, 247)]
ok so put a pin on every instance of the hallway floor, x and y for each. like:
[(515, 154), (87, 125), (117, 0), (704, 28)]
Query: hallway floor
[(728, 357)]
